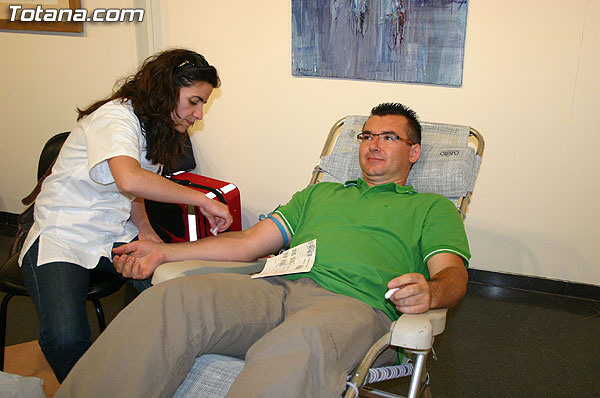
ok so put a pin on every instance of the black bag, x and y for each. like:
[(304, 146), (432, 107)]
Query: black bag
[(186, 161), (181, 223)]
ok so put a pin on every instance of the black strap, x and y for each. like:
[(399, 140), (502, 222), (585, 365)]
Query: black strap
[(216, 191)]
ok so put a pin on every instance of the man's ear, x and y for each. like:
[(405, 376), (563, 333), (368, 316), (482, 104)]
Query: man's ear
[(415, 153)]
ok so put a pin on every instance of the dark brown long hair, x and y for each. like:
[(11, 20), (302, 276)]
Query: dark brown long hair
[(154, 92)]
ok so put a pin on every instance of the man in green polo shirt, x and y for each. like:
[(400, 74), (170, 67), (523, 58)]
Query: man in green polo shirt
[(300, 334)]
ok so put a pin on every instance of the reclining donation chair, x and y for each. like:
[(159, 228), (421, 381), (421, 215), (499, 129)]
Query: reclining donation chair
[(449, 163)]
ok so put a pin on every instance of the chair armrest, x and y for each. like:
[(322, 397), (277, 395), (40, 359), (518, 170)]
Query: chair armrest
[(198, 267), (416, 331)]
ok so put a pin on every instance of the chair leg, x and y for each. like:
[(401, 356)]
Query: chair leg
[(3, 313), (359, 376), (425, 391), (100, 315), (419, 379)]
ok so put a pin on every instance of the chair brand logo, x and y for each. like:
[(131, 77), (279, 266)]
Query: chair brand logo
[(450, 153)]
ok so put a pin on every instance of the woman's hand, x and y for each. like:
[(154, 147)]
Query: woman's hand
[(217, 214)]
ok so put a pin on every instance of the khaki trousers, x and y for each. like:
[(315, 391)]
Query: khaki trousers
[(298, 339)]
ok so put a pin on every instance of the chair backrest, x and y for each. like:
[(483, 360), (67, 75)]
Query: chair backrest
[(50, 153), (450, 159), (25, 219)]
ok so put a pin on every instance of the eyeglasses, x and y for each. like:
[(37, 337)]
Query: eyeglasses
[(194, 60), (385, 137)]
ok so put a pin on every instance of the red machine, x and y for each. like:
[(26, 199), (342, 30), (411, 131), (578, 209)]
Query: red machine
[(182, 223)]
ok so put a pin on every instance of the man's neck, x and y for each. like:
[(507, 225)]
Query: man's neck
[(373, 182)]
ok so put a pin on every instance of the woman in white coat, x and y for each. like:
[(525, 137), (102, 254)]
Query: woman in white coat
[(94, 197)]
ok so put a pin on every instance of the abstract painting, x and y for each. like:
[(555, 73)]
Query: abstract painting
[(418, 41)]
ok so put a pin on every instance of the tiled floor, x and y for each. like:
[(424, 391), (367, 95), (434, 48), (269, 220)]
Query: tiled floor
[(498, 342)]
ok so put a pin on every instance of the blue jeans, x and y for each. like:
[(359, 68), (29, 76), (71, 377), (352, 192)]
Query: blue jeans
[(59, 291)]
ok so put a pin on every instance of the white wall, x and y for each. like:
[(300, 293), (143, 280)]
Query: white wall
[(43, 78), (529, 86)]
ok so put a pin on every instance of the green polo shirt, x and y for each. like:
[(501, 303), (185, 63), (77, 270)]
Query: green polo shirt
[(366, 236)]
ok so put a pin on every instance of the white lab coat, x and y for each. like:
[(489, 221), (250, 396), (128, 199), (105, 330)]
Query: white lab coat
[(80, 211)]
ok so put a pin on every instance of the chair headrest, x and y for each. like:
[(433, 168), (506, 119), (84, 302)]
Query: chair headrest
[(447, 166)]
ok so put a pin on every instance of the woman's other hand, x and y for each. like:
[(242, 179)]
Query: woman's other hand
[(217, 214)]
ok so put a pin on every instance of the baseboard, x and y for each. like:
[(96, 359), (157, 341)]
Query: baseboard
[(536, 284), (8, 218)]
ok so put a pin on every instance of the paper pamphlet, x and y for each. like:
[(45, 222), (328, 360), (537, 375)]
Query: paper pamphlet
[(293, 261)]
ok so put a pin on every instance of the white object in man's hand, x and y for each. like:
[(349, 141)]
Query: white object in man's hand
[(389, 293)]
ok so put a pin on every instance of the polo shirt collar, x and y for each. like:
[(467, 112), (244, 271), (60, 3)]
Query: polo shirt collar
[(363, 186)]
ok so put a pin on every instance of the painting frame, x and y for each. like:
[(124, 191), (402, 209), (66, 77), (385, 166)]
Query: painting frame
[(69, 27)]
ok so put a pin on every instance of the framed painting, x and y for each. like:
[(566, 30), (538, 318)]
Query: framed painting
[(417, 41)]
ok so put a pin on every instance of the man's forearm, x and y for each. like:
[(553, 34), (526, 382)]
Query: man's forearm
[(448, 287), (221, 248), (261, 240)]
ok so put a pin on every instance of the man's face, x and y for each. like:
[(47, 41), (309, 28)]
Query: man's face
[(383, 161), (189, 106)]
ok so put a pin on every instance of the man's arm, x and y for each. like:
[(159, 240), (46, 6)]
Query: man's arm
[(445, 288), (138, 260)]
